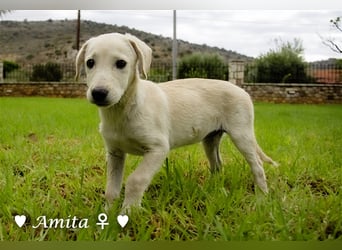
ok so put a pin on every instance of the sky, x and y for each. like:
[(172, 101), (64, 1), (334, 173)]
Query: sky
[(249, 32)]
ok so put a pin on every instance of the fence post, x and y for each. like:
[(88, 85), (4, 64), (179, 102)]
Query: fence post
[(236, 72), (1, 72)]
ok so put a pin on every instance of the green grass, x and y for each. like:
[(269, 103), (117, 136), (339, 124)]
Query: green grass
[(52, 163)]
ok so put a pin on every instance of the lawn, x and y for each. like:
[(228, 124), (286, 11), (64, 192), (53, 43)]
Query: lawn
[(53, 164)]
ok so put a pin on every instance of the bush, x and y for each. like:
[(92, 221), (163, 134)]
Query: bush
[(285, 64), (47, 72), (210, 66), (9, 67)]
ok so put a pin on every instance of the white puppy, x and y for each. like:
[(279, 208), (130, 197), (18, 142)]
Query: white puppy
[(143, 118)]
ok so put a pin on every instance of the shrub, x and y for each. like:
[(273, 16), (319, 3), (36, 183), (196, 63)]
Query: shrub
[(9, 67), (284, 64), (210, 66), (47, 72)]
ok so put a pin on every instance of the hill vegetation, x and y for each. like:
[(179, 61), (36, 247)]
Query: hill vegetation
[(43, 41)]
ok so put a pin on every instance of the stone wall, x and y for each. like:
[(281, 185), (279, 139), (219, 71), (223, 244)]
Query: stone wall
[(275, 93), (53, 89), (295, 93)]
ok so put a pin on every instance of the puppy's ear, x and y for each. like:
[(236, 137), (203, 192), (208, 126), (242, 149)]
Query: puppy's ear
[(80, 60), (143, 52)]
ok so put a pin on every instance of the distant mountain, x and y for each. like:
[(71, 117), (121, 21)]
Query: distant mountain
[(328, 62), (44, 41)]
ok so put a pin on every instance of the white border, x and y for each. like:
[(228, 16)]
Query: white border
[(172, 4)]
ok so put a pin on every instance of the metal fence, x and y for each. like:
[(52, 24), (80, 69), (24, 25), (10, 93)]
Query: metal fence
[(159, 72), (325, 73), (310, 73), (64, 72)]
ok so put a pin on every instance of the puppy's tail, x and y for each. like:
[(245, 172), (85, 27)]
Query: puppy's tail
[(266, 158)]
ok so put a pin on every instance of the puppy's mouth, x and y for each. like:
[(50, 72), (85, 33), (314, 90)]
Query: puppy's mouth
[(100, 104), (104, 104)]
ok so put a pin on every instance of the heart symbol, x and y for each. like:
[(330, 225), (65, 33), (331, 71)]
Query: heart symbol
[(122, 219), (20, 220)]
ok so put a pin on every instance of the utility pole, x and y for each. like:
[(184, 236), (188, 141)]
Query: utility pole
[(174, 48), (78, 30)]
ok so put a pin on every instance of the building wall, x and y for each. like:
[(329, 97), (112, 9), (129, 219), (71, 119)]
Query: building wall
[(274, 93)]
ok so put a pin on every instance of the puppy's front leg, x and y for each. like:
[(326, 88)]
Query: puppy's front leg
[(139, 180), (115, 166)]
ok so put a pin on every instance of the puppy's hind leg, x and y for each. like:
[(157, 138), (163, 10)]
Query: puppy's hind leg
[(211, 144), (246, 143)]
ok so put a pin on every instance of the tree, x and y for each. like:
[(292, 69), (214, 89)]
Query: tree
[(330, 42), (282, 64)]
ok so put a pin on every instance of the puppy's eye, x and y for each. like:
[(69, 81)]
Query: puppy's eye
[(120, 64), (90, 63)]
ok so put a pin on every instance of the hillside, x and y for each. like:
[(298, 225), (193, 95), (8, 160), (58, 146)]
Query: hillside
[(43, 41)]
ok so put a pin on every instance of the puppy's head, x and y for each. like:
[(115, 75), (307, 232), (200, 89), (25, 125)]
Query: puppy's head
[(112, 62)]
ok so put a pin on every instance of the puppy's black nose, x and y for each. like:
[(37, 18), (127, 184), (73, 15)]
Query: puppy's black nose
[(99, 94)]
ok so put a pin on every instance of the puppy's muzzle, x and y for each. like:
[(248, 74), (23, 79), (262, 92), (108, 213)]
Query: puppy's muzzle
[(99, 96)]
